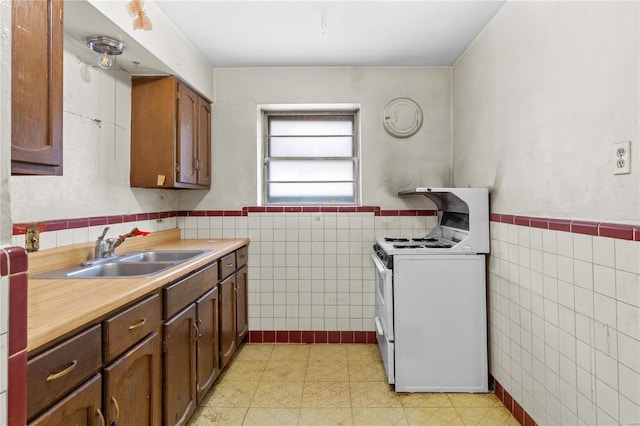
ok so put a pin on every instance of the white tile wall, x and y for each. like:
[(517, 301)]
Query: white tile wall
[(309, 271), (565, 341)]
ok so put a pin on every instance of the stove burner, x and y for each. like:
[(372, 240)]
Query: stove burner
[(418, 246), (407, 246), (397, 240), (425, 240)]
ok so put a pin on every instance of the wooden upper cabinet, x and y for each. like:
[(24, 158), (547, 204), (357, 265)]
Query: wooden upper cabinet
[(36, 87), (170, 135)]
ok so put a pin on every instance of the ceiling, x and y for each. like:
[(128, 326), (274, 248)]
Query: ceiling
[(330, 33)]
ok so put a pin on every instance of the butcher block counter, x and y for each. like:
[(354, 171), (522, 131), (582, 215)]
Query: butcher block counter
[(56, 307)]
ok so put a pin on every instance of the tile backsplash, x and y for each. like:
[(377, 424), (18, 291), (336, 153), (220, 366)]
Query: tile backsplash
[(310, 270)]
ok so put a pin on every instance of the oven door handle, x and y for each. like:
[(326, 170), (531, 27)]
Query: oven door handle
[(378, 327), (379, 265)]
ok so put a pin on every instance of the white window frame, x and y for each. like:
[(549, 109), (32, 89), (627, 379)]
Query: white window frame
[(264, 111)]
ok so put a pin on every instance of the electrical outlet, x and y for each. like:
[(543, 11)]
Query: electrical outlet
[(622, 158)]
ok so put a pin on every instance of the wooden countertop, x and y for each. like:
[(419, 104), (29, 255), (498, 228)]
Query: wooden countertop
[(56, 307)]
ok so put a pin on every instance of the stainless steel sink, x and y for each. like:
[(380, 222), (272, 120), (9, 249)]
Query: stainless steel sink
[(121, 269), (162, 256), (130, 265)]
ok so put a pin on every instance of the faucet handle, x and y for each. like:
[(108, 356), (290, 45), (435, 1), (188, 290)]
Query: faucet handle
[(104, 232)]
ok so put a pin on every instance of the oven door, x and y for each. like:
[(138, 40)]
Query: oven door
[(384, 317), (384, 297)]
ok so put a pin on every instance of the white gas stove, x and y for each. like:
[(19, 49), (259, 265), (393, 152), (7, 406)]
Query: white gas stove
[(430, 297)]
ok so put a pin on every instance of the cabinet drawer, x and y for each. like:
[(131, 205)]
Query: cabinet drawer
[(227, 265), (241, 256), (180, 294), (58, 370), (131, 325)]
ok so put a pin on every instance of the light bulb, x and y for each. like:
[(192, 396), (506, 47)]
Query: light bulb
[(105, 61)]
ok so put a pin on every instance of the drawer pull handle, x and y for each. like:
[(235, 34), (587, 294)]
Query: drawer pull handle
[(197, 335), (228, 265), (138, 324), (115, 402), (100, 416), (54, 376)]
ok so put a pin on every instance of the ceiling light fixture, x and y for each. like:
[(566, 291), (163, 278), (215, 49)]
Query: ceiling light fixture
[(107, 47)]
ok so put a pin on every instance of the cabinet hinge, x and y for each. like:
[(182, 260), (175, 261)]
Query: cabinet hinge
[(177, 168), (164, 346)]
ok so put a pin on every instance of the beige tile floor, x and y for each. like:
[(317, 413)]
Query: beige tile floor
[(331, 384)]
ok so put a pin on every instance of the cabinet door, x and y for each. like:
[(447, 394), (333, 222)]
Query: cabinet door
[(242, 317), (179, 369), (36, 87), (132, 385), (204, 142), (208, 346), (227, 304), (187, 135), (80, 407)]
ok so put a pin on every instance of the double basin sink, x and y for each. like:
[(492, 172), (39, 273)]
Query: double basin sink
[(137, 264)]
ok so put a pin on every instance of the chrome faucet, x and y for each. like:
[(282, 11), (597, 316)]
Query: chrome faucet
[(101, 245)]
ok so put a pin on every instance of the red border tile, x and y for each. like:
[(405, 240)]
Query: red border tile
[(507, 218), (359, 337), (347, 209), (129, 218), (78, 223), (508, 401), (426, 213), (321, 336), (114, 219), (346, 336), (55, 225), (214, 213), (311, 209), (522, 221), (282, 336), (528, 420), (199, 213), (17, 312), (329, 209), (518, 412), (636, 233), (232, 212), (295, 336), (4, 263), (333, 337), (268, 336), (560, 225), (145, 216), (539, 223), (17, 385), (372, 337), (622, 232), (308, 337), (255, 336), (388, 213), (494, 217), (18, 260), (97, 221), (153, 216), (366, 209), (273, 209), (407, 213), (587, 228)]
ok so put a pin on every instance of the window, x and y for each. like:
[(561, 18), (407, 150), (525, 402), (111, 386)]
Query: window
[(310, 157)]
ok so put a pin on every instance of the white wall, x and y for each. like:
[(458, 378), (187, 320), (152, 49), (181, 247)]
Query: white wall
[(96, 135), (539, 100), (388, 164)]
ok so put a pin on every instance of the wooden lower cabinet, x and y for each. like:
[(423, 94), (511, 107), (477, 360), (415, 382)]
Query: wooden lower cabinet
[(228, 336), (208, 352), (80, 407), (242, 308), (133, 386), (179, 369)]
